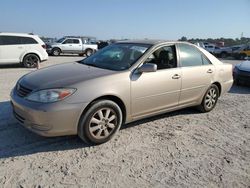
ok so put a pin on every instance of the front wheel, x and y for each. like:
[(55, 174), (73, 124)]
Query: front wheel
[(100, 123), (31, 61), (56, 52), (210, 99)]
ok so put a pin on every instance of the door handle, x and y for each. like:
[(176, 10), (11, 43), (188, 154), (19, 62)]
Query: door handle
[(176, 76), (70, 45), (210, 71)]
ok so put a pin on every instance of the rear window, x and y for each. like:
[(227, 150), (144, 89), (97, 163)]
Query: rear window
[(15, 40), (76, 41), (190, 56)]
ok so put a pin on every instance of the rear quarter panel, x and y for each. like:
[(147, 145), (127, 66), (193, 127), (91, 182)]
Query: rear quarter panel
[(224, 75)]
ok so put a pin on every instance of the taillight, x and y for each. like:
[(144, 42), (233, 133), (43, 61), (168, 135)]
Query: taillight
[(44, 46)]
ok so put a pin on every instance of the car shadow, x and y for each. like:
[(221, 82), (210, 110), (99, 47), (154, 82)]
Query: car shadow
[(11, 66), (67, 55), (242, 89), (15, 140), (185, 111)]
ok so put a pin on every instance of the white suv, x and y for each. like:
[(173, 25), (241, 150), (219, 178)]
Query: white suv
[(27, 49)]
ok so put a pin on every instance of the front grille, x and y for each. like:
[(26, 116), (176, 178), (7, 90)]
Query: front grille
[(245, 73), (245, 78), (22, 91), (18, 117)]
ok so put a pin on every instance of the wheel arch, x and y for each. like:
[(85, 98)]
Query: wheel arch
[(219, 87), (88, 49), (29, 53), (113, 98), (56, 47)]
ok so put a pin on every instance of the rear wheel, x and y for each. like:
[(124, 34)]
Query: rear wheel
[(31, 61), (210, 99), (224, 55), (89, 52), (242, 56), (100, 123)]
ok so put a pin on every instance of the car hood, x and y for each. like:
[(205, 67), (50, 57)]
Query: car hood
[(244, 66), (61, 76)]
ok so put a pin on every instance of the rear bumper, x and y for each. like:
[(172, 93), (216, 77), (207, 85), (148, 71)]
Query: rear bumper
[(44, 57), (52, 119), (227, 86)]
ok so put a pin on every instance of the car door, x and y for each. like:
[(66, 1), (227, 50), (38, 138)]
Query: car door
[(11, 49), (153, 92), (76, 46), (197, 74), (67, 46)]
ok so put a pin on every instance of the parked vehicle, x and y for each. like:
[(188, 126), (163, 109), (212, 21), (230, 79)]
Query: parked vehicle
[(222, 52), (200, 44), (210, 48), (241, 73), (242, 53), (121, 83), (102, 44), (26, 49), (74, 45)]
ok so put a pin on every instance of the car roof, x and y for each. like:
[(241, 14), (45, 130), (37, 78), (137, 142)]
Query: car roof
[(152, 42), (18, 34)]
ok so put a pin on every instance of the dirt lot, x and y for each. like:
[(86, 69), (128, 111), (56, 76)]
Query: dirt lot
[(179, 149)]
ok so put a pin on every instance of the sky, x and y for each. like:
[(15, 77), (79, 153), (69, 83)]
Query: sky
[(132, 19)]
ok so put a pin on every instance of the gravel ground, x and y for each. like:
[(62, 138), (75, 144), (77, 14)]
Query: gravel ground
[(178, 149)]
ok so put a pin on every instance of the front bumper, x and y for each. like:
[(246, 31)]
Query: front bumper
[(49, 50), (51, 119), (243, 76)]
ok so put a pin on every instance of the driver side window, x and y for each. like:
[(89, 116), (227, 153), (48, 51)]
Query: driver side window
[(164, 57)]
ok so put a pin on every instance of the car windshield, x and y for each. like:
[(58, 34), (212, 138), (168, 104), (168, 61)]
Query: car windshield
[(118, 57), (60, 40)]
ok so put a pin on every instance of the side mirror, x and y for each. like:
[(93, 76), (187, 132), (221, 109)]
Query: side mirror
[(147, 67)]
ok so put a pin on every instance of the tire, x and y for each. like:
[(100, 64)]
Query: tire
[(89, 52), (55, 52), (210, 99), (236, 82), (31, 61), (100, 123), (223, 55), (242, 56)]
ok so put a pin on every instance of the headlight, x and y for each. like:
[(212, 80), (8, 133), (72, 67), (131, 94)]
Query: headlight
[(50, 95)]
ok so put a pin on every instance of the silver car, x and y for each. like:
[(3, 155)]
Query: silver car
[(121, 83)]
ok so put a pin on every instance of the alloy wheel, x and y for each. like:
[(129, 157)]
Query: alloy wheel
[(211, 98), (103, 123), (31, 61)]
